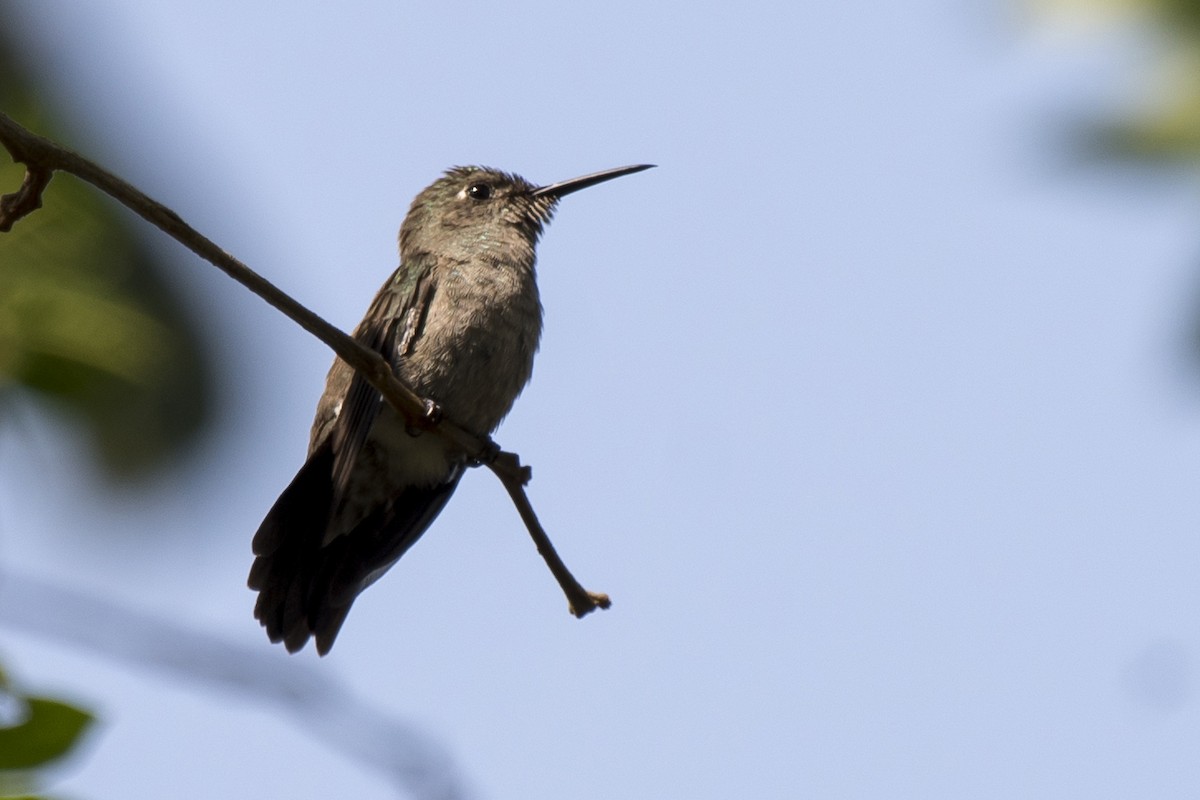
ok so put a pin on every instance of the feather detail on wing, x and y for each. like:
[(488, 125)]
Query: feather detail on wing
[(306, 574), (360, 408)]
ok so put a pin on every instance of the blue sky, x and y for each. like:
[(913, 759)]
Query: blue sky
[(870, 407)]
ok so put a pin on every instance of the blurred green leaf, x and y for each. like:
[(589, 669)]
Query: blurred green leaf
[(1165, 126), (87, 320), (48, 731), (35, 732)]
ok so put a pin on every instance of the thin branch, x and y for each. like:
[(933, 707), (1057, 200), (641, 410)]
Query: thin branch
[(42, 157), (580, 601)]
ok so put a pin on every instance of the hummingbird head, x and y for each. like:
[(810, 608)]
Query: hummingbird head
[(472, 210)]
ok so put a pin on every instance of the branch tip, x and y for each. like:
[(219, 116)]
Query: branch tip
[(589, 602)]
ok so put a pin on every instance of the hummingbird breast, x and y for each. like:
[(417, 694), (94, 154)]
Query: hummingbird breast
[(472, 355), (474, 352)]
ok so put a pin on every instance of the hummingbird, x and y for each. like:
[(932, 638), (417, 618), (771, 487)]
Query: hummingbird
[(459, 322)]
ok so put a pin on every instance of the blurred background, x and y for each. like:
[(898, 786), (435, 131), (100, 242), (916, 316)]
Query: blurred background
[(875, 408)]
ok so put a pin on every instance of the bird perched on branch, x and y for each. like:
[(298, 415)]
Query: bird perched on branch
[(459, 323)]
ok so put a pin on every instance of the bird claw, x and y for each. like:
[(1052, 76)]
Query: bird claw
[(433, 413), (430, 417), (487, 455)]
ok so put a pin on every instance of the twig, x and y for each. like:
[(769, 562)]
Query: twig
[(42, 157), (580, 601), (25, 200)]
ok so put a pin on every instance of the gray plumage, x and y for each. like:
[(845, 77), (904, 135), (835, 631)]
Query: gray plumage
[(459, 321)]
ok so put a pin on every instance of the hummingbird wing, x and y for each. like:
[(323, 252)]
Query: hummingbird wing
[(308, 576), (390, 313)]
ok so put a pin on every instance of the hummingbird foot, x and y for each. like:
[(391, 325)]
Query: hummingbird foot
[(430, 418), (433, 413), (487, 455)]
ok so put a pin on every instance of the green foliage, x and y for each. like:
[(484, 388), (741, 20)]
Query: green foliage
[(87, 321), (49, 731), (35, 733), (1166, 127)]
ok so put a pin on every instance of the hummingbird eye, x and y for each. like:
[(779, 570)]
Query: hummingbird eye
[(479, 191)]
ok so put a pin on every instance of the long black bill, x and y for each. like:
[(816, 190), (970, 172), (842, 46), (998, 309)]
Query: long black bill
[(563, 188)]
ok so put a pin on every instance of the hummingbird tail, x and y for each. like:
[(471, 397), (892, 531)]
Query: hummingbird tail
[(283, 547), (350, 563), (306, 585)]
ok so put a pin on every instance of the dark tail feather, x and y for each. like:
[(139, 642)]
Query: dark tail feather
[(287, 546), (353, 561), (305, 586)]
